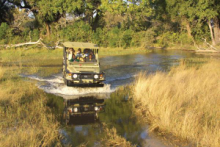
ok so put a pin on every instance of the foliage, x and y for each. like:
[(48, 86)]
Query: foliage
[(3, 30), (79, 31), (112, 23)]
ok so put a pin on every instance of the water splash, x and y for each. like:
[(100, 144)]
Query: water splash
[(63, 89), (55, 85)]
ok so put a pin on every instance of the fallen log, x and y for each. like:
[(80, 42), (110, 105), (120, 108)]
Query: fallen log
[(208, 49), (32, 43)]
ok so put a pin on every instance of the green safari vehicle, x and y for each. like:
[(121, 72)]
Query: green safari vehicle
[(81, 65)]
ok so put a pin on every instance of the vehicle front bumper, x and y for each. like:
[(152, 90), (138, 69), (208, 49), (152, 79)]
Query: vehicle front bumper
[(85, 78)]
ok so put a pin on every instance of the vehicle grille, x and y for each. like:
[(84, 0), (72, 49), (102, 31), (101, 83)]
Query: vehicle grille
[(86, 76)]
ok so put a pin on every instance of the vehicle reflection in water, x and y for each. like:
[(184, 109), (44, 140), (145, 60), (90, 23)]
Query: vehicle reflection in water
[(83, 110), (81, 124), (85, 124)]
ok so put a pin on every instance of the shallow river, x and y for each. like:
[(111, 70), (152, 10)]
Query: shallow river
[(117, 113)]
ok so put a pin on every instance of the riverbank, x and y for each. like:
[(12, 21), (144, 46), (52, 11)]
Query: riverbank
[(25, 118), (54, 57), (38, 60), (121, 51), (30, 117), (184, 102), (27, 54)]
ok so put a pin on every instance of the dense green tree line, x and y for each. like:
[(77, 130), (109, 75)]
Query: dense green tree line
[(113, 23)]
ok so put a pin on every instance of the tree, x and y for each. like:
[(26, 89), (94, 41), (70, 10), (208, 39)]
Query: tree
[(48, 12), (206, 11), (197, 11), (127, 14), (183, 12), (6, 11)]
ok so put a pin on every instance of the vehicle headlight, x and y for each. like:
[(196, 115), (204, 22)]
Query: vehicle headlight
[(96, 76), (74, 76), (75, 110), (96, 108)]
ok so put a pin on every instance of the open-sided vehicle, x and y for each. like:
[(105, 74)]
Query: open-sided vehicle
[(81, 65)]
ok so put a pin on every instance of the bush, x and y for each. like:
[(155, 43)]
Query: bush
[(3, 30), (78, 31), (35, 34), (126, 38)]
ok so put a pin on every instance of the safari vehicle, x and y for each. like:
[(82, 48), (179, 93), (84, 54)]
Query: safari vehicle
[(84, 67)]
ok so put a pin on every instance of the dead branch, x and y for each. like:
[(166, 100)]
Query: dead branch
[(33, 43), (209, 45), (208, 48)]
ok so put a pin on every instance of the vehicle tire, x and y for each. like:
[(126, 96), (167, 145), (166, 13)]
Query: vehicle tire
[(65, 81), (68, 83), (96, 116), (67, 118)]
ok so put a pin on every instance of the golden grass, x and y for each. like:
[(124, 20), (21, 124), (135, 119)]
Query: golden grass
[(111, 138), (25, 118), (2, 71), (184, 102)]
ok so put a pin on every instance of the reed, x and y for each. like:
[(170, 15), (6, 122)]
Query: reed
[(111, 138), (25, 118), (184, 102)]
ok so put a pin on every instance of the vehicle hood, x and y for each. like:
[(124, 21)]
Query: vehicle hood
[(82, 68)]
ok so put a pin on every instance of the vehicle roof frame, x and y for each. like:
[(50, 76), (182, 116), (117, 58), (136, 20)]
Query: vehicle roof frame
[(82, 45)]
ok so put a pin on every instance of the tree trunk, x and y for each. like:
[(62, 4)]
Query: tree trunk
[(48, 29), (189, 32), (217, 30), (211, 32)]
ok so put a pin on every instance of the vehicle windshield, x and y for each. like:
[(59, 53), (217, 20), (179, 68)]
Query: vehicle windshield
[(79, 55)]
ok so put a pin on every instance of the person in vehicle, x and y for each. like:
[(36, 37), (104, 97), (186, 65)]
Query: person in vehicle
[(73, 55), (80, 56), (86, 55), (70, 54), (91, 56), (79, 53)]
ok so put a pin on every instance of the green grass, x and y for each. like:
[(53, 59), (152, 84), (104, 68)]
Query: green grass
[(121, 51), (45, 62), (54, 57)]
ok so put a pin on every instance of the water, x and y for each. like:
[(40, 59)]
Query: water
[(88, 126), (119, 70)]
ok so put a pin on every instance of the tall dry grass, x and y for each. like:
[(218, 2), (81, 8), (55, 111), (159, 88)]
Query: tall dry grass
[(184, 102), (25, 118), (2, 71), (111, 138)]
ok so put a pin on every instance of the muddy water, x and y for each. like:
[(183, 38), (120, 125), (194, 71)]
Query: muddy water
[(117, 108)]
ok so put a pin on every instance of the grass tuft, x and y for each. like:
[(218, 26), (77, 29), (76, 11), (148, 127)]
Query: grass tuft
[(111, 138), (184, 102), (25, 118)]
